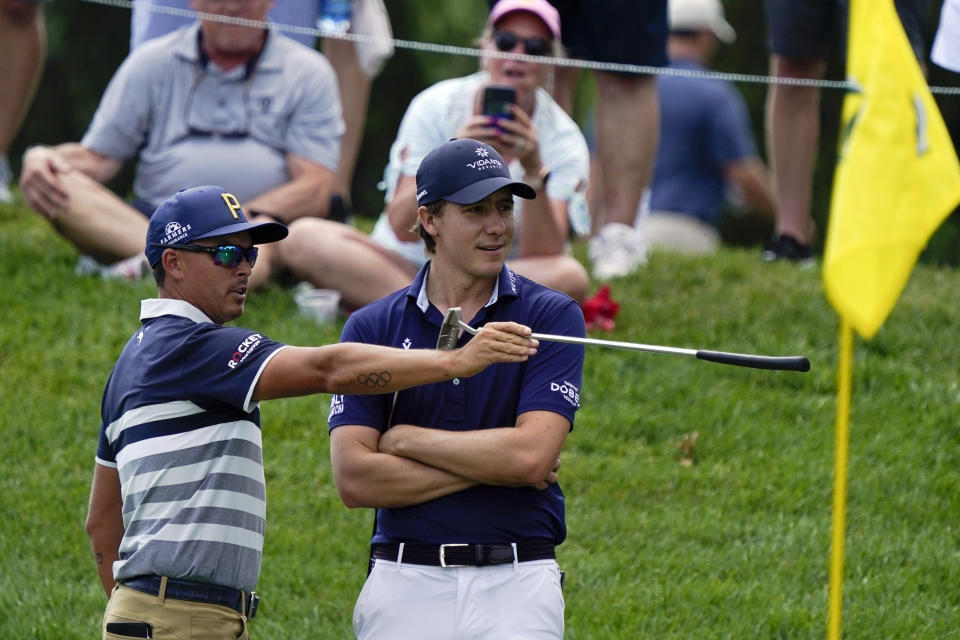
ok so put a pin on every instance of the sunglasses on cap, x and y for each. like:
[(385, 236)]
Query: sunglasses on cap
[(227, 255), (506, 41)]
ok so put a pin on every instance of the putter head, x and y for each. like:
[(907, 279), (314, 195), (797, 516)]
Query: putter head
[(449, 330)]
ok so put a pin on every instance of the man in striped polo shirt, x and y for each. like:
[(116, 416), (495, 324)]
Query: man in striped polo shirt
[(177, 505)]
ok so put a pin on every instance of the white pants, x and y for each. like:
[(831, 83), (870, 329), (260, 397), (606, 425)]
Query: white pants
[(416, 602)]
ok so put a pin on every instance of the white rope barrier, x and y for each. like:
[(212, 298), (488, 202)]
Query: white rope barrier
[(476, 53)]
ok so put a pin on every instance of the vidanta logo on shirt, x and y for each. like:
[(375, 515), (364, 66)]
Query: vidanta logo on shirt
[(244, 349), (569, 392)]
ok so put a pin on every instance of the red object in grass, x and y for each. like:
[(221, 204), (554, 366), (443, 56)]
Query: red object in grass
[(600, 310)]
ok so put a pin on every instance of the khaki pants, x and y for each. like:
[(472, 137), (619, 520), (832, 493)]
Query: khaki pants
[(173, 619)]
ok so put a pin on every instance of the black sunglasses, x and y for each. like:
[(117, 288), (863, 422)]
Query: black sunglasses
[(506, 41), (228, 255)]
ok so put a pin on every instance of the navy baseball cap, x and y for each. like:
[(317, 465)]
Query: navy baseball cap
[(203, 212), (464, 171)]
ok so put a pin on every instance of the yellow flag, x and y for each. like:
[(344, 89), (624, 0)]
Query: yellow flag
[(897, 175)]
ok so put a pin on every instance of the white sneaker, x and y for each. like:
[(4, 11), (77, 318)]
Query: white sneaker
[(133, 268), (616, 251), (87, 266)]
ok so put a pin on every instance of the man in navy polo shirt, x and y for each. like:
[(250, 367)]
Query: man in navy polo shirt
[(177, 505), (462, 473)]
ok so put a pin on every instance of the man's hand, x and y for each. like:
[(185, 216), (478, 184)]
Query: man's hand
[(40, 184), (550, 479), (495, 342), (389, 441)]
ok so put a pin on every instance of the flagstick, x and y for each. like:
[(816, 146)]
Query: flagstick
[(844, 371)]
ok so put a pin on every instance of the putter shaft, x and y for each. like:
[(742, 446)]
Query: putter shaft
[(778, 363)]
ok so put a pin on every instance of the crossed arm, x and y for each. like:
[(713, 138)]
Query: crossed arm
[(409, 465)]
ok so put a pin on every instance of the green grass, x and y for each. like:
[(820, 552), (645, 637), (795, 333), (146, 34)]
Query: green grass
[(735, 546)]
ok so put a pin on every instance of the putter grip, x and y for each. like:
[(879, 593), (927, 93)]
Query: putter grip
[(778, 363)]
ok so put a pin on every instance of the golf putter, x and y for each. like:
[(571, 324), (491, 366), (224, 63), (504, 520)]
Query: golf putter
[(449, 330), (777, 363)]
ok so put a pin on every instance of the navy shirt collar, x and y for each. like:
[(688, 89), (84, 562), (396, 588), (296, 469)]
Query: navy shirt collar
[(507, 285)]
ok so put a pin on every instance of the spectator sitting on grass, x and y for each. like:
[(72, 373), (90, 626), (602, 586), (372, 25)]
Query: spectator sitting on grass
[(211, 103), (540, 144)]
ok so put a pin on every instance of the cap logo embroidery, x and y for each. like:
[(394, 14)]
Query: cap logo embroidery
[(483, 153), (232, 203), (174, 232), (486, 163)]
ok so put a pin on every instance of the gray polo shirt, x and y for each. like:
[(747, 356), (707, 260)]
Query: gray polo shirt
[(193, 124)]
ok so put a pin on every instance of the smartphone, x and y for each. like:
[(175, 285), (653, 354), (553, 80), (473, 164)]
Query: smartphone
[(497, 100)]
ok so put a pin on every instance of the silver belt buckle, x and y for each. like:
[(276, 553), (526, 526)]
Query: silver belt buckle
[(443, 555)]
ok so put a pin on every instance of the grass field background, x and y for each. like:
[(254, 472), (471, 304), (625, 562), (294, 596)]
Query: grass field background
[(734, 546)]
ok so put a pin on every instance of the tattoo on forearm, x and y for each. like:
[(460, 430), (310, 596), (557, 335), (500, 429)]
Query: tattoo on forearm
[(374, 379), (99, 558)]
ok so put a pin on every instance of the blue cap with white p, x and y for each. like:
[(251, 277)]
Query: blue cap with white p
[(203, 212), (464, 171)]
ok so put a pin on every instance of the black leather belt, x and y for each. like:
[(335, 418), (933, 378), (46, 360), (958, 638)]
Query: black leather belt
[(198, 592), (465, 555)]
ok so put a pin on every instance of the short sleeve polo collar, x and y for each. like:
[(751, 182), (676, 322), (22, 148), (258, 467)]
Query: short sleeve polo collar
[(187, 47), (156, 307), (507, 285)]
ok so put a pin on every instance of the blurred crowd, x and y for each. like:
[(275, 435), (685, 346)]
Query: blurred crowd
[(662, 162)]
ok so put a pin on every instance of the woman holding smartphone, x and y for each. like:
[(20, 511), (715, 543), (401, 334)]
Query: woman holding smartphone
[(541, 145)]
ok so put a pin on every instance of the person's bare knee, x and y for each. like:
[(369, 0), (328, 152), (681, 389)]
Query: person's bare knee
[(313, 246), (307, 240), (563, 273), (796, 67), (97, 221), (617, 87), (576, 279)]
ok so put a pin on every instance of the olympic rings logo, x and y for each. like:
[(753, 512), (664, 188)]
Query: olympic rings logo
[(374, 380)]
